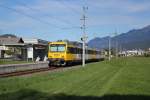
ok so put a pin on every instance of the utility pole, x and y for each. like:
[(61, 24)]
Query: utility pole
[(116, 45), (84, 37), (109, 46)]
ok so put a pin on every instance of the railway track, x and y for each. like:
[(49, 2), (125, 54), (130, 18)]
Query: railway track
[(18, 73), (7, 71)]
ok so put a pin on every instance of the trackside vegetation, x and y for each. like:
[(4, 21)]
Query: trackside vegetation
[(119, 79), (4, 62)]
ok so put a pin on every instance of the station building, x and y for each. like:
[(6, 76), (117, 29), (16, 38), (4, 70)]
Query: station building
[(15, 48)]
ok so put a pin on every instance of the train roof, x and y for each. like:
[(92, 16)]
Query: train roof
[(73, 44)]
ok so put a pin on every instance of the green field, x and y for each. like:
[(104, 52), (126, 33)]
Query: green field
[(121, 79)]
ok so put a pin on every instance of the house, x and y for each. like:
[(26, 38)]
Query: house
[(133, 52), (10, 46), (13, 47)]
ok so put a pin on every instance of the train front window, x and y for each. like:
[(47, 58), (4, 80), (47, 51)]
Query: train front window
[(53, 48), (57, 48), (61, 48)]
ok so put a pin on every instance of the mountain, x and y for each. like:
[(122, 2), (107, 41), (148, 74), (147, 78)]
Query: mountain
[(134, 39), (98, 42)]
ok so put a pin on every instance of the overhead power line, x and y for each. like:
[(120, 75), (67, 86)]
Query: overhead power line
[(67, 28), (59, 19), (27, 15), (69, 7)]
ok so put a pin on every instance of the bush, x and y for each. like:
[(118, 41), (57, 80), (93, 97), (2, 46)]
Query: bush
[(9, 52), (147, 54)]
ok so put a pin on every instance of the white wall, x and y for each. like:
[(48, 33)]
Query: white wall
[(30, 52)]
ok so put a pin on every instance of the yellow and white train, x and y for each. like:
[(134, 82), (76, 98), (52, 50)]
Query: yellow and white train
[(64, 53)]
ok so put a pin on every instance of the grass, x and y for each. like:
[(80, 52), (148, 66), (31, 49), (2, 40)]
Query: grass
[(121, 79), (4, 62)]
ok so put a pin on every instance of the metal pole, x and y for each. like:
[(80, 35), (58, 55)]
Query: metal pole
[(116, 44), (116, 49), (84, 36), (109, 43), (83, 57)]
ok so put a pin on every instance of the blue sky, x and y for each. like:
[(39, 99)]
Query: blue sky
[(59, 19)]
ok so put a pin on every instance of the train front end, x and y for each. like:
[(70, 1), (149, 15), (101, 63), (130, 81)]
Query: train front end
[(57, 53)]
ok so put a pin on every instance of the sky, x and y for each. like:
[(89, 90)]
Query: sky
[(54, 20)]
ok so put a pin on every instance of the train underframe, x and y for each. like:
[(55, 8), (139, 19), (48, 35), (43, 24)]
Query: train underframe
[(62, 62)]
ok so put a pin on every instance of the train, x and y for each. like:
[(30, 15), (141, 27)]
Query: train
[(62, 53)]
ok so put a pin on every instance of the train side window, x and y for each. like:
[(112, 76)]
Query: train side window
[(80, 51), (69, 50), (75, 50), (72, 50), (91, 51)]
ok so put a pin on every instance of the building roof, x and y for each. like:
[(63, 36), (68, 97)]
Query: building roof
[(8, 35), (35, 41), (9, 40)]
